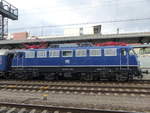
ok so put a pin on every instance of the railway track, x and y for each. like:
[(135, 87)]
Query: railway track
[(134, 82), (98, 89), (29, 108), (81, 88)]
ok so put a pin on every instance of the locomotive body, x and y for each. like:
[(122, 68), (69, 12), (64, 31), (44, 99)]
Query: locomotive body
[(86, 63)]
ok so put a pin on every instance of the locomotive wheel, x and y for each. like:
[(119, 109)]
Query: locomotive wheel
[(130, 77), (7, 76)]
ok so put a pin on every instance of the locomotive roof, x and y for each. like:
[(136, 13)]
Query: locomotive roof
[(85, 47)]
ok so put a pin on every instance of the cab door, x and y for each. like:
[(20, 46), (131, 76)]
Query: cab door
[(133, 58), (9, 60), (20, 59), (124, 57)]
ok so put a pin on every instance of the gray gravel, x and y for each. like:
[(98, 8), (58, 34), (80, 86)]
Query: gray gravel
[(131, 103), (146, 76)]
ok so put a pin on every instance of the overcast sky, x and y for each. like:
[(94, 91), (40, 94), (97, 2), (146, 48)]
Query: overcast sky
[(34, 13)]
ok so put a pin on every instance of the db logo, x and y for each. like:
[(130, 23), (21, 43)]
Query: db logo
[(67, 61)]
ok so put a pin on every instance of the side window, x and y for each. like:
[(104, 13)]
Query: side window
[(110, 52), (95, 52), (81, 52), (54, 53), (30, 54), (131, 52), (123, 52), (41, 54), (20, 55), (67, 53)]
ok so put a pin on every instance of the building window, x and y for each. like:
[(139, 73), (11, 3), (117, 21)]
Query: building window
[(81, 52), (54, 53), (95, 52), (67, 53), (110, 52), (41, 54), (30, 54)]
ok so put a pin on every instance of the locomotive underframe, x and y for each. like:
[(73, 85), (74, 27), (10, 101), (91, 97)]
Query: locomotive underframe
[(79, 73)]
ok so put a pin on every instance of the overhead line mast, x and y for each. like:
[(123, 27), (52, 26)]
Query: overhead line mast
[(7, 11)]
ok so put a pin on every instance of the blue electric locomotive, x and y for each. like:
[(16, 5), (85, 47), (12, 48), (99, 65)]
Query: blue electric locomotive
[(85, 63)]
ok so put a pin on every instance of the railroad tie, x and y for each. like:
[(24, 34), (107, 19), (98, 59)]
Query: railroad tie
[(45, 111), (12, 110), (33, 111), (56, 112), (3, 109), (23, 110)]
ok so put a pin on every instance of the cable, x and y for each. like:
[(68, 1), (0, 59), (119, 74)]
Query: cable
[(89, 23)]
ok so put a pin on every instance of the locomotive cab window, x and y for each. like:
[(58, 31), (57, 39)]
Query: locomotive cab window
[(19, 55), (95, 52), (54, 53), (15, 55), (41, 54), (81, 52), (67, 53), (131, 52), (123, 52)]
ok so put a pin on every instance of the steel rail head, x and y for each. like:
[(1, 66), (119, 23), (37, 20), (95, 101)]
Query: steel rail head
[(62, 109)]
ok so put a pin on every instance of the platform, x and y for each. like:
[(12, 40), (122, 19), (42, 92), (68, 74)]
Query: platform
[(125, 37)]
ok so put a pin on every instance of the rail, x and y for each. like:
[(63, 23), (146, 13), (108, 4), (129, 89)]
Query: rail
[(58, 109), (102, 89)]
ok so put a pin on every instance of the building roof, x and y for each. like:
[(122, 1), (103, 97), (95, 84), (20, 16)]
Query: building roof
[(80, 38)]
